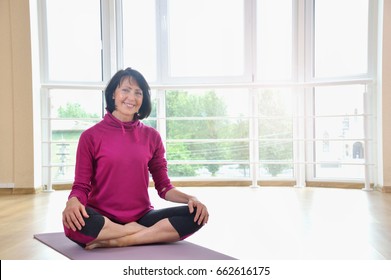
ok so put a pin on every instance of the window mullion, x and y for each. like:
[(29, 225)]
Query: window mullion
[(368, 135), (299, 71), (373, 38), (111, 37), (254, 135), (250, 40), (44, 56), (119, 45), (162, 41), (46, 137), (161, 114), (309, 48)]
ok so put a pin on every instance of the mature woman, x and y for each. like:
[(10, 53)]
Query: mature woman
[(109, 205)]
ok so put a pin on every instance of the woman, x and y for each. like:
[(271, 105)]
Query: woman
[(109, 204)]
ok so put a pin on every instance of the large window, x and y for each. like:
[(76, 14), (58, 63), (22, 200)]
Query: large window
[(255, 90), (274, 39), (206, 38), (73, 41), (139, 37), (341, 44)]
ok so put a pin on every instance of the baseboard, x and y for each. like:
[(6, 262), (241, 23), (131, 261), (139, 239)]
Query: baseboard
[(205, 183), (62, 187), (6, 191), (384, 189), (337, 185), (17, 191)]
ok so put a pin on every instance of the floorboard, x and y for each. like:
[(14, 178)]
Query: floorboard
[(273, 223)]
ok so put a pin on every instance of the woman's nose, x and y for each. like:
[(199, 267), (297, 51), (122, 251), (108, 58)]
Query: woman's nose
[(130, 95)]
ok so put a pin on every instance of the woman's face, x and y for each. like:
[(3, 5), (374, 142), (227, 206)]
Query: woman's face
[(128, 98)]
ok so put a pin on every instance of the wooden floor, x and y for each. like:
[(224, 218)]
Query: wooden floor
[(267, 223)]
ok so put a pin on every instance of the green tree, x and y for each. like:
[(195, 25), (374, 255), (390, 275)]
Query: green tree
[(179, 151), (239, 150), (74, 110), (278, 126), (202, 106)]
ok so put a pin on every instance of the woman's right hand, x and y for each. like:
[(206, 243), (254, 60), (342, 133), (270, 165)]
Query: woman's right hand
[(72, 216)]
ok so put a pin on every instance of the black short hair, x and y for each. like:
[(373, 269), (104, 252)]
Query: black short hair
[(115, 82)]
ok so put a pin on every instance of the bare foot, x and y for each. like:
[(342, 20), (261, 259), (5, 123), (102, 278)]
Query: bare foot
[(118, 242), (101, 244)]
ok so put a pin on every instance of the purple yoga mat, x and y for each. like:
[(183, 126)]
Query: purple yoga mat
[(182, 250)]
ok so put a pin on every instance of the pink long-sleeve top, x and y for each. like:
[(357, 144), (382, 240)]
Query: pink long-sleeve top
[(113, 162)]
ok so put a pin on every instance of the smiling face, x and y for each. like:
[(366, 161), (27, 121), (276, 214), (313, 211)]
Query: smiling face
[(128, 98)]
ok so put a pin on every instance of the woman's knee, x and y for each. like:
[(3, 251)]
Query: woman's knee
[(89, 232), (179, 217), (185, 225)]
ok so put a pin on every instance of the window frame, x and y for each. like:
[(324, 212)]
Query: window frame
[(302, 84)]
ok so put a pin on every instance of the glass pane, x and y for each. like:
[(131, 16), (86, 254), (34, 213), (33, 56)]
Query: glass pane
[(274, 39), (63, 152), (74, 40), (340, 112), (276, 122), (275, 128), (348, 150), (339, 100), (207, 103), (339, 115), (62, 174), (200, 45), (339, 171), (75, 104), (211, 150), (76, 110), (275, 102), (275, 150), (139, 37), (283, 170), (150, 122), (69, 130), (207, 129), (219, 171), (152, 119), (341, 37), (339, 128)]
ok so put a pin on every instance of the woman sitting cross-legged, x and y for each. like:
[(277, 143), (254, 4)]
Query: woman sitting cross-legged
[(109, 205)]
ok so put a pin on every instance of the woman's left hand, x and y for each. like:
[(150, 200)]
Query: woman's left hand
[(201, 215)]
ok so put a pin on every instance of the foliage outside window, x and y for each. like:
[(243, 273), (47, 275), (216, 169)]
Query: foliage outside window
[(204, 131)]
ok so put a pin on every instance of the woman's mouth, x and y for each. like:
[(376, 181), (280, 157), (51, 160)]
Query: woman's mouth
[(129, 105)]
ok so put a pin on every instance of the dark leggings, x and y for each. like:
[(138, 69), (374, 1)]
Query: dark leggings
[(179, 217)]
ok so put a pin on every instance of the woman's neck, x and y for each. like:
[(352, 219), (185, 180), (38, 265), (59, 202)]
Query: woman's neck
[(122, 117)]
